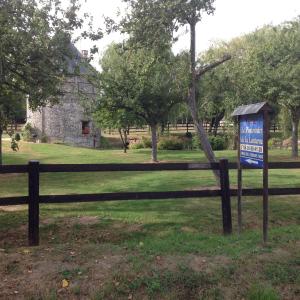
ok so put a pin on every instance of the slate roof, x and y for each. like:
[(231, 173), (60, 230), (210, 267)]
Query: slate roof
[(251, 109), (76, 63)]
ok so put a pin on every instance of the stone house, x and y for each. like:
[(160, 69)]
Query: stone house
[(69, 121)]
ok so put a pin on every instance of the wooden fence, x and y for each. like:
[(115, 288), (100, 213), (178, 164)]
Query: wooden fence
[(34, 199), (224, 127)]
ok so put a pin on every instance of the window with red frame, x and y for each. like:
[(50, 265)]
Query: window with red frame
[(85, 127)]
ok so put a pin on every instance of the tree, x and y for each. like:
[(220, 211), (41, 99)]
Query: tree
[(114, 118), (8, 111), (153, 24), (141, 83), (265, 67), (287, 73), (34, 52)]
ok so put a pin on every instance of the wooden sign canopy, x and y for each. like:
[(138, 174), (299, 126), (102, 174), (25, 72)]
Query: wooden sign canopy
[(251, 109)]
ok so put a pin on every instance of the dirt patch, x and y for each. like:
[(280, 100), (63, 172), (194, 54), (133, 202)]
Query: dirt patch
[(276, 254), (128, 227), (188, 229), (85, 220), (13, 208), (208, 264), (39, 272)]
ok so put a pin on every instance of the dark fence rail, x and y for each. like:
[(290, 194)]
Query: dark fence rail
[(56, 199), (67, 168), (34, 198)]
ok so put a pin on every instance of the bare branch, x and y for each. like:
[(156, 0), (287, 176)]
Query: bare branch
[(211, 66)]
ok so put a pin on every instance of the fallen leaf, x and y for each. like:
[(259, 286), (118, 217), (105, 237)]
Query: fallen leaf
[(65, 283)]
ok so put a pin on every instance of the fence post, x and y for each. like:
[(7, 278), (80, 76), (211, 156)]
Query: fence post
[(225, 194), (33, 204)]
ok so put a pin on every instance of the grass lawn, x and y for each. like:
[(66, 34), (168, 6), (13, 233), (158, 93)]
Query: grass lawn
[(151, 249)]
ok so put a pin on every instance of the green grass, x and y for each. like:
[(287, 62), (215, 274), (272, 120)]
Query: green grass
[(258, 292), (72, 183), (170, 249)]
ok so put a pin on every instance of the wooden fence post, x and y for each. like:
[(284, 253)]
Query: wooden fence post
[(33, 204), (225, 194)]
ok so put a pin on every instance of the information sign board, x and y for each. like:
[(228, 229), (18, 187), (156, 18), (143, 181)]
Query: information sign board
[(252, 140)]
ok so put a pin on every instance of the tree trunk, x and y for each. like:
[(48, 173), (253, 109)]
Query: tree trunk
[(162, 128), (154, 142), (211, 125), (1, 133), (124, 139), (295, 127), (193, 107), (217, 121), (187, 125)]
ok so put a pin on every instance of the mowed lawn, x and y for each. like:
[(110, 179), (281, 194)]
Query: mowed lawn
[(170, 249)]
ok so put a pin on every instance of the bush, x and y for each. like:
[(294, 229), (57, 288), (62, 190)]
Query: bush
[(104, 143), (17, 137), (28, 132), (147, 143), (44, 139), (217, 142), (171, 143), (137, 146), (274, 143)]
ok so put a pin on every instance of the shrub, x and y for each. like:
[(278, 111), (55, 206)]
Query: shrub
[(17, 137), (146, 142), (171, 143), (137, 146), (44, 139), (217, 142), (28, 132), (274, 143), (104, 143)]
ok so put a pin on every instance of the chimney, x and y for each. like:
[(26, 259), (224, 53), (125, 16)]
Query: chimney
[(85, 54)]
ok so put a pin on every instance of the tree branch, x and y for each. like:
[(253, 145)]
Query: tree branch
[(120, 106), (211, 66)]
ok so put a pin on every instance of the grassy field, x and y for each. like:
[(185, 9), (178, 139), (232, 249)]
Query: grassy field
[(151, 249)]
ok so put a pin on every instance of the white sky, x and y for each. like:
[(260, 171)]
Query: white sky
[(231, 18)]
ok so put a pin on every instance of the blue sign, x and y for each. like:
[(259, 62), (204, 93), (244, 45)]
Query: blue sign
[(252, 140)]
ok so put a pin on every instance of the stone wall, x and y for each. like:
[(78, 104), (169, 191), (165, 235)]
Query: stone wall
[(63, 122)]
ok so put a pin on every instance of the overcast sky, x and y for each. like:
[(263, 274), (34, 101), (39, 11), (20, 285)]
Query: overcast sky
[(231, 18)]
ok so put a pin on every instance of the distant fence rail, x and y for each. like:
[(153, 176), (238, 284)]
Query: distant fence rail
[(34, 199), (189, 127)]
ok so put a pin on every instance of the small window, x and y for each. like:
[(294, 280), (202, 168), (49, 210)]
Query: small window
[(85, 127)]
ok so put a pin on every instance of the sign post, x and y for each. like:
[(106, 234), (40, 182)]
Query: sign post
[(253, 130), (239, 182)]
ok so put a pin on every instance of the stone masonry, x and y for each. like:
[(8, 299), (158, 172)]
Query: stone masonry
[(68, 121)]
